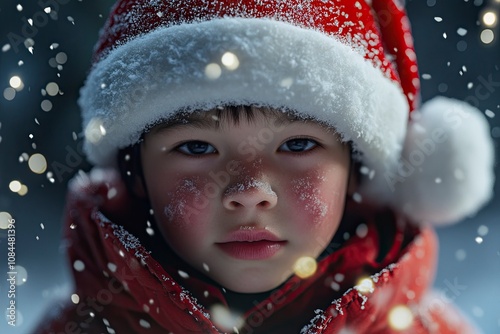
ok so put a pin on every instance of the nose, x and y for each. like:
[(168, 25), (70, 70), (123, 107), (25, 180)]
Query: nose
[(250, 195)]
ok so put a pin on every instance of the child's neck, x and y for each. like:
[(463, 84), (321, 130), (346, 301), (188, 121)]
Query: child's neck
[(242, 302)]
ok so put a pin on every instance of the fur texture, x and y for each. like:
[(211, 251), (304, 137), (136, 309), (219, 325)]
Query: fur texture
[(445, 172), (280, 65)]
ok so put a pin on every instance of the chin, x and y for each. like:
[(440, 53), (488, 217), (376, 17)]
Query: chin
[(252, 283)]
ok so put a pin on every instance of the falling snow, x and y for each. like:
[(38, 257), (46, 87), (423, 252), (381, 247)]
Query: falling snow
[(462, 32), (489, 113)]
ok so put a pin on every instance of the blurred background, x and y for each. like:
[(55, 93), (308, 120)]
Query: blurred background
[(43, 63)]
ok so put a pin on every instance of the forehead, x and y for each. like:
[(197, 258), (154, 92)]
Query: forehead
[(229, 116)]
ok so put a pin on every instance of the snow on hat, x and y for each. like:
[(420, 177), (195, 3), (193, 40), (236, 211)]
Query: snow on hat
[(350, 64)]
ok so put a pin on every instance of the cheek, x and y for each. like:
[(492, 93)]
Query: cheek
[(318, 198), (182, 213), (184, 204)]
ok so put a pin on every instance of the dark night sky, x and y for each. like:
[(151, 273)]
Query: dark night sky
[(453, 66)]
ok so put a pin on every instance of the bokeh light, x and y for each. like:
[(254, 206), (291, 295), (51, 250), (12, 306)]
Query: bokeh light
[(61, 58), (16, 82), (37, 163), (75, 298), (483, 230), (305, 267), (213, 71), (225, 319), (144, 323), (487, 36), (365, 285), (400, 318), (52, 88), (9, 93), (79, 265), (287, 82), (23, 191), (95, 130), (5, 217), (15, 186), (21, 275), (230, 61), (112, 267), (490, 18), (50, 177), (461, 32), (46, 105)]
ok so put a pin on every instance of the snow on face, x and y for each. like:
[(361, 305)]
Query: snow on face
[(178, 209), (249, 184), (310, 197), (205, 189)]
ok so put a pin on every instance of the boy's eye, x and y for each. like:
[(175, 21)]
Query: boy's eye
[(196, 148), (298, 145)]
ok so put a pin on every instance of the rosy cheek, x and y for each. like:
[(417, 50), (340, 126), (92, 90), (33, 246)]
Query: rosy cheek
[(317, 204), (186, 203)]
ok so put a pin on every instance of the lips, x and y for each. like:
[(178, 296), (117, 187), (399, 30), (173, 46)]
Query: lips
[(251, 245)]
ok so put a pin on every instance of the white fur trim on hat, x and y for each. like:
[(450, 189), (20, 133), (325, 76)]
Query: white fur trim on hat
[(280, 66), (446, 170)]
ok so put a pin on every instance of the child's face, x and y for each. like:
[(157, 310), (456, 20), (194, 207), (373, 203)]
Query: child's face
[(243, 202)]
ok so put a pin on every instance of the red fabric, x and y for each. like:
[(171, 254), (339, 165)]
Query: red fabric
[(398, 41), (124, 288)]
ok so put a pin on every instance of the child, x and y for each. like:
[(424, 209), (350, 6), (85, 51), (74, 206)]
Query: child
[(258, 173)]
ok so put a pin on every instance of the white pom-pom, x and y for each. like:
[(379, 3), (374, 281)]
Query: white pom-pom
[(446, 170)]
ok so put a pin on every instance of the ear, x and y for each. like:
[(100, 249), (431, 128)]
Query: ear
[(138, 186)]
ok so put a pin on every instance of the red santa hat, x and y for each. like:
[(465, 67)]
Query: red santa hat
[(350, 64)]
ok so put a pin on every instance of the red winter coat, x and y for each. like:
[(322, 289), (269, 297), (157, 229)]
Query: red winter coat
[(123, 289)]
